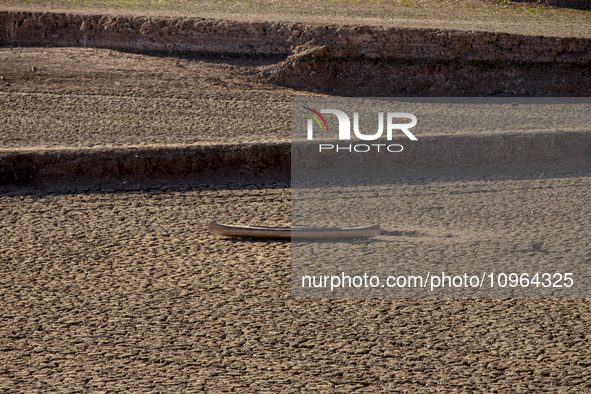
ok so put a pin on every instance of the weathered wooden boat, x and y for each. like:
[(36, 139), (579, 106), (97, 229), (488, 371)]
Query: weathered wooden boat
[(224, 230)]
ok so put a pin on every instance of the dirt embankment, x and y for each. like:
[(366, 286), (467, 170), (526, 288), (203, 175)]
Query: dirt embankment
[(337, 59), (199, 35), (83, 166), (23, 168), (576, 4)]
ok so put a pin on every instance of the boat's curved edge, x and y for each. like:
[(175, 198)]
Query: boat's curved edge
[(224, 230)]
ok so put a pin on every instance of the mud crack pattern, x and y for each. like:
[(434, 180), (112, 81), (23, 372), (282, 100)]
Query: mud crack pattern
[(124, 290)]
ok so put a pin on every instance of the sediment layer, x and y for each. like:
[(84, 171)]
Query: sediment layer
[(350, 60), (199, 35), (274, 159)]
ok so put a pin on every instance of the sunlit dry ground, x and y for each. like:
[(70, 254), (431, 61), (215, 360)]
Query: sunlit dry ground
[(123, 289), (80, 97)]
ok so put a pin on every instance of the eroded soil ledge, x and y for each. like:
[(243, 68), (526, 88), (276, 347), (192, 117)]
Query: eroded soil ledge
[(350, 60)]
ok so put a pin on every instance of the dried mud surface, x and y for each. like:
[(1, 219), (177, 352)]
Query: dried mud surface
[(79, 97), (74, 98), (122, 289)]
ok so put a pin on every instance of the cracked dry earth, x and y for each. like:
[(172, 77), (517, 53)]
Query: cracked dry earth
[(77, 98), (123, 290)]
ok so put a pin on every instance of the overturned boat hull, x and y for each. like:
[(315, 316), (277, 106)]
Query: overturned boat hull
[(224, 230)]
